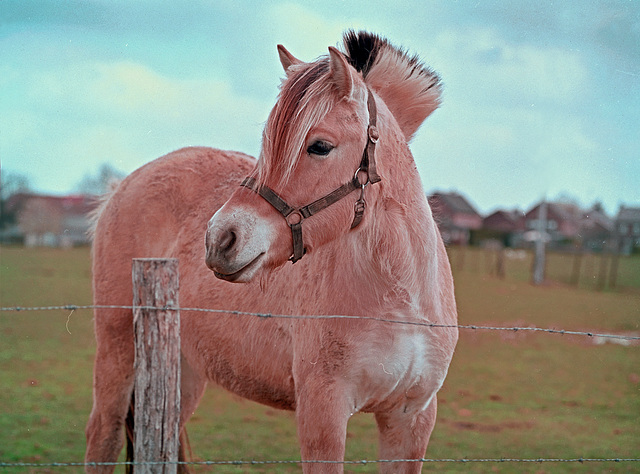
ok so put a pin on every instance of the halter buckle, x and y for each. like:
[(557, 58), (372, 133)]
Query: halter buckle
[(373, 133)]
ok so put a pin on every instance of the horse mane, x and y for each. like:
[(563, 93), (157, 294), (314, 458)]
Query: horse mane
[(410, 89), (305, 99)]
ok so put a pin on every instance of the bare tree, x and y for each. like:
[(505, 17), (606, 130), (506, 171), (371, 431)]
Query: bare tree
[(539, 258), (12, 183), (101, 182)]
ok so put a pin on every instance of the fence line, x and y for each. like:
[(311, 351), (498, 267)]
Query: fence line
[(71, 307), (293, 461)]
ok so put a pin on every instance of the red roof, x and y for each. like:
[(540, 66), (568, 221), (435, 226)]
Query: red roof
[(75, 204)]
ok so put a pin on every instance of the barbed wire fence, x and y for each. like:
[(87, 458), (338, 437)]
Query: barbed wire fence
[(362, 462), (628, 338), (72, 307)]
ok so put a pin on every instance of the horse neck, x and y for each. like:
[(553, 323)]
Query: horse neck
[(389, 261), (396, 252)]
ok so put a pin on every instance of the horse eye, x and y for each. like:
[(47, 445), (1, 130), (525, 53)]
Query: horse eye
[(320, 148)]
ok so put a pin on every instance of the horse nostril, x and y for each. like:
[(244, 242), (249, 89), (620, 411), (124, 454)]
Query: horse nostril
[(227, 240)]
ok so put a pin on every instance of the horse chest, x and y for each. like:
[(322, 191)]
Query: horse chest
[(395, 370)]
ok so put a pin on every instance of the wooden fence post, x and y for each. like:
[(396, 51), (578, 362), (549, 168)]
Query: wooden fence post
[(602, 273), (613, 269), (539, 261), (577, 263), (157, 364)]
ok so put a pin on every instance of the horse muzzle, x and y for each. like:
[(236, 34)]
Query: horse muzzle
[(236, 245)]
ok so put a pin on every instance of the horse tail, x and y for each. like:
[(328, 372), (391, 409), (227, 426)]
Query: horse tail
[(129, 424), (100, 203), (130, 427)]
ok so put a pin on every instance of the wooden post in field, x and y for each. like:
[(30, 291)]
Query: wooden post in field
[(461, 254), (613, 270), (157, 364), (500, 262), (602, 273), (539, 259), (577, 263)]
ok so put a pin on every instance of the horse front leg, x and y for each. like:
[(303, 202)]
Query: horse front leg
[(192, 386), (322, 416), (405, 435)]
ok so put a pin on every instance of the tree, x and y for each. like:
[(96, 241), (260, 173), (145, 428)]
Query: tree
[(568, 199), (102, 182), (598, 207), (10, 184)]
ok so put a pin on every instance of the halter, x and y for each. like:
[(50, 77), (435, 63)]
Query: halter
[(365, 174)]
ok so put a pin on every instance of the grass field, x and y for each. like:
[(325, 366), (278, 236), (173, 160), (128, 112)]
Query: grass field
[(508, 394)]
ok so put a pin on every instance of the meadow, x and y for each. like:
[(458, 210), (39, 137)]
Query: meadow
[(508, 395)]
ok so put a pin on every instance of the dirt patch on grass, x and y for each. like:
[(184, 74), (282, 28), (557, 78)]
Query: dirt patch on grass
[(488, 427)]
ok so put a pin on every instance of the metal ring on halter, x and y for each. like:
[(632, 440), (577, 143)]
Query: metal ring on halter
[(355, 177), (295, 217)]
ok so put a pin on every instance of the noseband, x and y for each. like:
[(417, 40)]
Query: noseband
[(365, 174)]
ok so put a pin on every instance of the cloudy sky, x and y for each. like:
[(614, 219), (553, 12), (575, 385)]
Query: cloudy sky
[(540, 98)]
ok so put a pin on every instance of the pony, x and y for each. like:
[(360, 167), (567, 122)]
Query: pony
[(366, 246)]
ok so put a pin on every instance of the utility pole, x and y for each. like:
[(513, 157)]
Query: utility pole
[(539, 258)]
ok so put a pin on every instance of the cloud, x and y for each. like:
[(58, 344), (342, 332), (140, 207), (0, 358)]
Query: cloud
[(125, 113), (45, 12), (304, 32), (533, 96), (484, 65), (514, 113)]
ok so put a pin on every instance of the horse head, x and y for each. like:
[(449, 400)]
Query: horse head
[(317, 172)]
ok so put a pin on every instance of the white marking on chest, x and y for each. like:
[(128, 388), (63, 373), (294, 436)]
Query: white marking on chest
[(400, 365)]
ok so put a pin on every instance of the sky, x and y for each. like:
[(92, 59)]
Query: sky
[(541, 99)]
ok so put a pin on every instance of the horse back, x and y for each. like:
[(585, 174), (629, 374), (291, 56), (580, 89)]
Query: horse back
[(161, 211)]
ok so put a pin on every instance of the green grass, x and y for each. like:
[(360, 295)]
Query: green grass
[(508, 394), (46, 357), (592, 271)]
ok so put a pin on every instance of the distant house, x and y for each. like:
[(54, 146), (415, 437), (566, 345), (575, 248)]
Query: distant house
[(506, 227), (627, 228), (569, 226), (50, 221), (596, 229), (562, 223), (455, 216)]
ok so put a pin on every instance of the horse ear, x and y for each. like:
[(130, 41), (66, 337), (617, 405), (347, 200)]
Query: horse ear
[(286, 58), (341, 72)]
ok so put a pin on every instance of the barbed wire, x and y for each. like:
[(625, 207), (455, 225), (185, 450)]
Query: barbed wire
[(294, 461), (72, 307)]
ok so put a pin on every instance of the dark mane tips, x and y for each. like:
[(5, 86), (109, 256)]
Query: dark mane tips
[(409, 88), (362, 49)]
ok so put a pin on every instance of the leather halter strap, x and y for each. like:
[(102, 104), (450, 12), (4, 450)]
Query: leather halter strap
[(295, 215)]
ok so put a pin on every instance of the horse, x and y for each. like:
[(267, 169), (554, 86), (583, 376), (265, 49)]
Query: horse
[(331, 220)]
